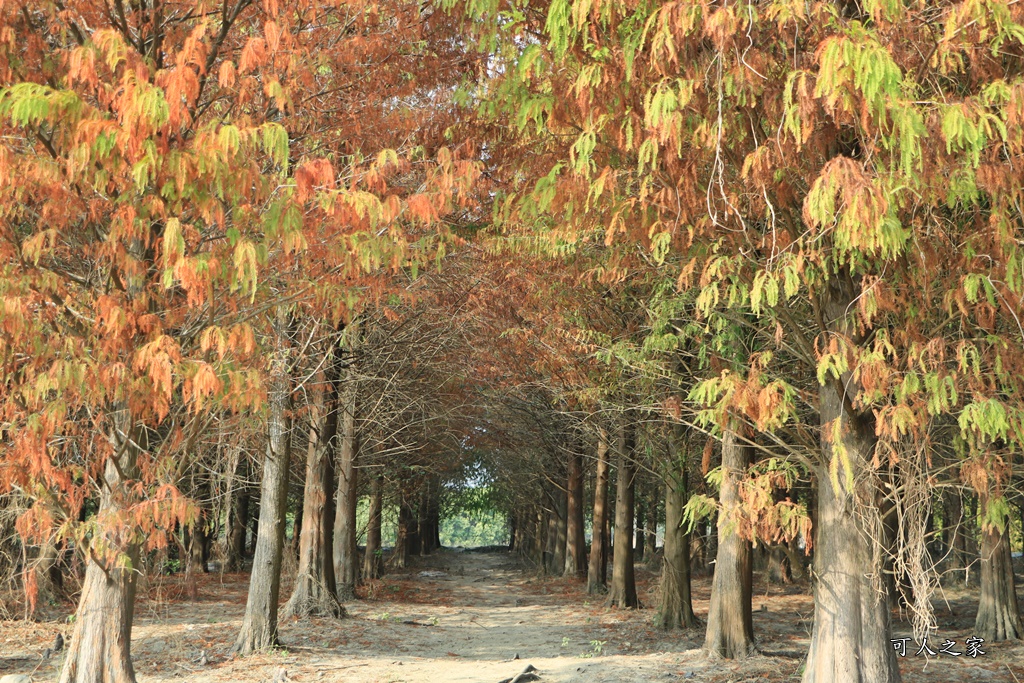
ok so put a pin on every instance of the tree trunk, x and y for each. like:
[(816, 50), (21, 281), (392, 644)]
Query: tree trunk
[(254, 523), (675, 609), (43, 576), (575, 551), (100, 647), (955, 566), (850, 640), (597, 576), (779, 569), (560, 536), (651, 529), (730, 631), (346, 556), (622, 592), (315, 593), (371, 561), (406, 534), (259, 626), (998, 611), (640, 535), (238, 511)]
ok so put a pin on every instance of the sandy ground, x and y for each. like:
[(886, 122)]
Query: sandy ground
[(461, 617)]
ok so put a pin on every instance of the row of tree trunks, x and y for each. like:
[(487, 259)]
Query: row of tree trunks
[(557, 527)]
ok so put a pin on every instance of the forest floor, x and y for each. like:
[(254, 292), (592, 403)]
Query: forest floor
[(470, 617)]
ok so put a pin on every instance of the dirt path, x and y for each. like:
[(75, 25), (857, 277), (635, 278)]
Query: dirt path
[(462, 617)]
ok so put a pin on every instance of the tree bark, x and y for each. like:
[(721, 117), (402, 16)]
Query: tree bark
[(998, 611), (779, 569), (675, 609), (560, 535), (406, 543), (346, 557), (640, 534), (955, 569), (371, 561), (238, 511), (259, 626), (622, 592), (597, 576), (100, 646), (575, 551), (850, 640), (315, 592), (730, 631)]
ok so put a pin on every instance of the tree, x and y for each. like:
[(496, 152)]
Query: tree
[(730, 631), (346, 566), (622, 592), (259, 625), (597, 575), (675, 608), (315, 591)]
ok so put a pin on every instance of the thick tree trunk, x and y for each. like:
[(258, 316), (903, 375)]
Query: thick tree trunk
[(675, 609), (998, 611), (346, 556), (371, 561), (259, 626), (850, 640), (622, 592), (315, 592), (100, 646), (575, 552), (597, 576), (730, 631)]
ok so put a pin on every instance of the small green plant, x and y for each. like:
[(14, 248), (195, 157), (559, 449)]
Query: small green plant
[(434, 621), (384, 616), (565, 642), (596, 647)]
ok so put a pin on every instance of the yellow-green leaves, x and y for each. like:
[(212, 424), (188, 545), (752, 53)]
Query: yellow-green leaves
[(663, 107), (173, 248), (857, 62), (246, 267), (989, 420), (967, 129), (855, 208), (275, 144)]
